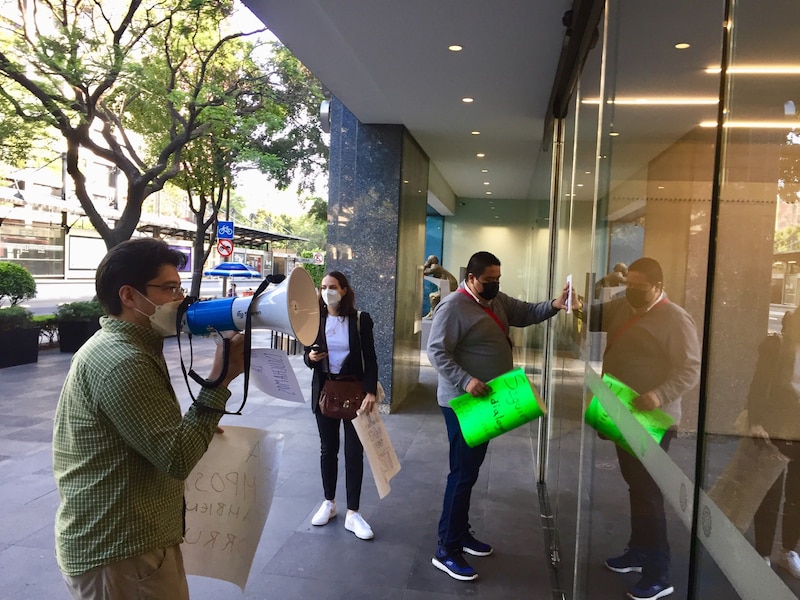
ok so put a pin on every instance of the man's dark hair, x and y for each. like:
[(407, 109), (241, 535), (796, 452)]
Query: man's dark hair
[(480, 261), (648, 267), (347, 306), (133, 263)]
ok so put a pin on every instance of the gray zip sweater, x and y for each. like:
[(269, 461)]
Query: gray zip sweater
[(659, 351), (465, 341)]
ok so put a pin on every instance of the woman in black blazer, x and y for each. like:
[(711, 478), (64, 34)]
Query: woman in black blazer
[(343, 347)]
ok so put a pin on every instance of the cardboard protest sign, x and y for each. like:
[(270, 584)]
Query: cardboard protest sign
[(512, 402), (228, 496), (379, 450), (655, 422)]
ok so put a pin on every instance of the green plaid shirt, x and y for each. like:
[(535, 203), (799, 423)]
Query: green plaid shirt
[(122, 449)]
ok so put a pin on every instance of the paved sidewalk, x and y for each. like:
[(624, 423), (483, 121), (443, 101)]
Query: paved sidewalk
[(295, 560)]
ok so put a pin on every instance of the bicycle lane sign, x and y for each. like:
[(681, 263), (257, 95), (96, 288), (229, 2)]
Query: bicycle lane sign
[(224, 230)]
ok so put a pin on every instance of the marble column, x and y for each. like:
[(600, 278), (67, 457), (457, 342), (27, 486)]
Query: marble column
[(376, 236)]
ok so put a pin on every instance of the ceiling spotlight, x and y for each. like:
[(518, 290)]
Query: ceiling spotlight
[(683, 46), (614, 133), (480, 155), (467, 100), (455, 48), (475, 132), (486, 183), (488, 193), (484, 170)]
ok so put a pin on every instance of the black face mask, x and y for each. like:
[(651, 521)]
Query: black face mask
[(637, 298), (489, 290)]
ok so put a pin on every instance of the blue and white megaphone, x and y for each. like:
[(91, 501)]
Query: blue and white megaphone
[(291, 307)]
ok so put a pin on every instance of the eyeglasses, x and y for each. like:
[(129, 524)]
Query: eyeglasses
[(175, 290)]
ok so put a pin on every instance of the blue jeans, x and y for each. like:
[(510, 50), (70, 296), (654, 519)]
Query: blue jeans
[(465, 465), (648, 518)]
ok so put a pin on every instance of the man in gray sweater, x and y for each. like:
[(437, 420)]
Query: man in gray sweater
[(469, 345), (652, 347)]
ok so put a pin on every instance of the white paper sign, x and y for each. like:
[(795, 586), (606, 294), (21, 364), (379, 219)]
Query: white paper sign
[(379, 450), (569, 294), (273, 374), (228, 496)]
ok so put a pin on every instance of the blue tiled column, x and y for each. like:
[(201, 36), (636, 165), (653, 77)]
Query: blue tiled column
[(376, 230)]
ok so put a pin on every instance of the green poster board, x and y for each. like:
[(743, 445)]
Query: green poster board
[(512, 402), (655, 422)]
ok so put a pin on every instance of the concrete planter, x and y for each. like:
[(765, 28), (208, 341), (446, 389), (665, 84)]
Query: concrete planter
[(73, 334), (19, 346)]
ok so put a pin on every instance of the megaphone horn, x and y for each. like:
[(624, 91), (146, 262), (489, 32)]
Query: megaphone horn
[(291, 307)]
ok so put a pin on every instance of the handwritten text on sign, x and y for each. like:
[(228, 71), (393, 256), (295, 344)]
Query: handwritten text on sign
[(273, 374), (228, 496), (379, 450)]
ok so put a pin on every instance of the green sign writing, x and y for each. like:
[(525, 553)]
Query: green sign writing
[(655, 422), (511, 403)]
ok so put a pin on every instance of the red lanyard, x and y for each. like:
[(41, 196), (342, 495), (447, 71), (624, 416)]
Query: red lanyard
[(489, 312), (627, 325)]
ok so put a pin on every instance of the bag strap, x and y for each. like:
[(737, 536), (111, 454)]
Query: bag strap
[(360, 345), (632, 321), (489, 312)]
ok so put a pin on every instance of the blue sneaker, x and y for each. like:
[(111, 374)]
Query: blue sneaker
[(650, 590), (630, 562), (475, 547), (453, 563)]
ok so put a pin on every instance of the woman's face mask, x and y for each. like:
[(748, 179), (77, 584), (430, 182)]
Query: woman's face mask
[(331, 297), (163, 319)]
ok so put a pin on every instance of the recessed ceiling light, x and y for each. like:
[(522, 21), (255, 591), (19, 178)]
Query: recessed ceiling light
[(484, 170), (614, 133), (588, 172), (455, 48), (682, 46), (475, 132), (661, 187), (486, 183), (488, 193), (467, 100), (580, 185), (480, 155)]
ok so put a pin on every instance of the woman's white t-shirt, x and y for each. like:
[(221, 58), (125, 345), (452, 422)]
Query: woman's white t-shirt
[(337, 337)]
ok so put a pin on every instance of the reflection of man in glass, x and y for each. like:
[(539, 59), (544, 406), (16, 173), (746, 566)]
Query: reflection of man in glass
[(773, 407), (652, 347)]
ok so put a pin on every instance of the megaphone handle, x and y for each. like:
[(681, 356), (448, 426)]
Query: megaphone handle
[(226, 349)]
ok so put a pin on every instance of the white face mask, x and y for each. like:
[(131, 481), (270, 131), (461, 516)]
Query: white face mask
[(331, 298), (164, 316)]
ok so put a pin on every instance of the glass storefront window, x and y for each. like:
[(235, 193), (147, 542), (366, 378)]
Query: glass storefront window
[(38, 248)]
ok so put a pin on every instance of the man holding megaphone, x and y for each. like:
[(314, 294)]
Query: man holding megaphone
[(121, 447)]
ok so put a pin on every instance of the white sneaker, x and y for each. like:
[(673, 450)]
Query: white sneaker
[(355, 522), (325, 513), (789, 561)]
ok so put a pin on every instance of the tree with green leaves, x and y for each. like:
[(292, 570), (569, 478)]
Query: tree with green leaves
[(104, 75), (269, 125)]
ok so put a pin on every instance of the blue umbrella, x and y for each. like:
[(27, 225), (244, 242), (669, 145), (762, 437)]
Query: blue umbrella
[(234, 269)]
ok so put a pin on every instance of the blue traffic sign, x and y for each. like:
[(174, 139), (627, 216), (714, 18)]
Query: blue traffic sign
[(224, 230)]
